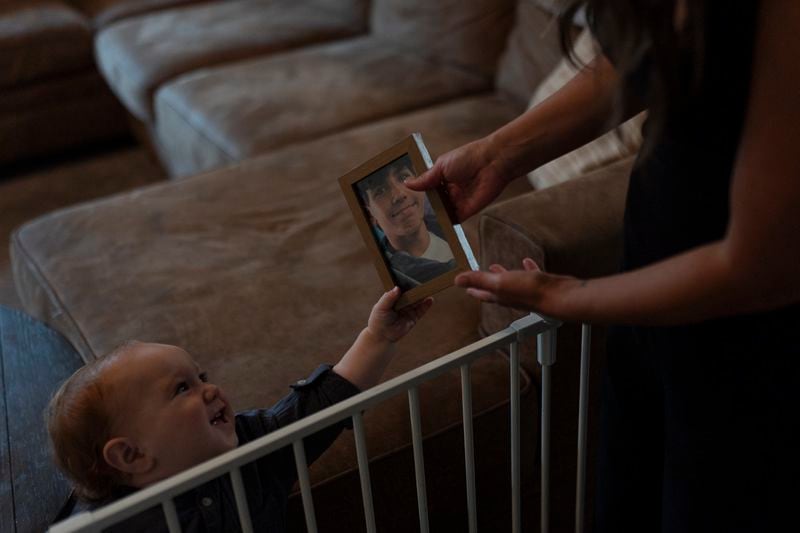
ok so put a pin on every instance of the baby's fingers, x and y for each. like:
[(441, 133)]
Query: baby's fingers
[(413, 313), (419, 309), (387, 300)]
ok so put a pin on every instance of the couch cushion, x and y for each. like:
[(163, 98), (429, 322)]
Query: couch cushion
[(260, 272), (41, 39), (56, 115), (105, 12), (218, 115), (67, 254), (531, 53), (137, 55), (471, 34)]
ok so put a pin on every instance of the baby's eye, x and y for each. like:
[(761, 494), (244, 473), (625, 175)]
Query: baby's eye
[(203, 377), (181, 388)]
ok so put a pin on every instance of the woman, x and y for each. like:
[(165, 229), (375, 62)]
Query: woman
[(699, 423)]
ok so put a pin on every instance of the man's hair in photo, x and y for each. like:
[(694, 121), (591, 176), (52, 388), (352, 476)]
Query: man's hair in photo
[(380, 176)]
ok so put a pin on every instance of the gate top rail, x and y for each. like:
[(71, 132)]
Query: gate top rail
[(171, 487)]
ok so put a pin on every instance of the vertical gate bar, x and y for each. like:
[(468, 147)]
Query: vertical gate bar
[(583, 415), (546, 351), (305, 485), (469, 451), (363, 471), (419, 458), (545, 525), (171, 515), (241, 500), (516, 517)]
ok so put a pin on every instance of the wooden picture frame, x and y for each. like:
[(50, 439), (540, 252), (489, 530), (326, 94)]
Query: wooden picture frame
[(388, 216)]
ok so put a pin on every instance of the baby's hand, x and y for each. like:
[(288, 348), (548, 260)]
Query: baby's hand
[(387, 324)]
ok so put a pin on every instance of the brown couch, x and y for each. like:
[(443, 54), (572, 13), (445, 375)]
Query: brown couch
[(208, 85), (258, 270), (52, 98)]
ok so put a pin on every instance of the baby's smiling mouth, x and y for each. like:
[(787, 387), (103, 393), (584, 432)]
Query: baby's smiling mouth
[(219, 417)]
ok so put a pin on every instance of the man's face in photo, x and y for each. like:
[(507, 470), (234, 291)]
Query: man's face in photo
[(396, 209)]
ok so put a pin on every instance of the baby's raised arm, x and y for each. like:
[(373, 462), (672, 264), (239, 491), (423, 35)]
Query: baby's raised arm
[(365, 361)]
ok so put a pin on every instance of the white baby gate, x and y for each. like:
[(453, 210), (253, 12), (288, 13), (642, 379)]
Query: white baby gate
[(162, 493)]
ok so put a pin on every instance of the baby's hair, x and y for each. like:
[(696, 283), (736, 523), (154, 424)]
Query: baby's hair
[(79, 423)]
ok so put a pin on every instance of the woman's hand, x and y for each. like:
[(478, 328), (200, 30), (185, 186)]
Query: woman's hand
[(529, 289), (386, 324), (469, 176)]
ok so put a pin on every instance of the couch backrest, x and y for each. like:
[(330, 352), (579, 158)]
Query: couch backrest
[(532, 51), (350, 10), (470, 33)]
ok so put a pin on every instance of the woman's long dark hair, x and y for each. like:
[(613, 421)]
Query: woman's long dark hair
[(642, 33)]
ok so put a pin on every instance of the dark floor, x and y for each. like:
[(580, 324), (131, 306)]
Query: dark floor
[(30, 190)]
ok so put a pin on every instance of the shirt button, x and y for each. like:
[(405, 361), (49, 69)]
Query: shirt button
[(206, 501), (302, 382)]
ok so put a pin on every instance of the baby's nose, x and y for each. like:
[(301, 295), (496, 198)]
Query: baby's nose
[(210, 392)]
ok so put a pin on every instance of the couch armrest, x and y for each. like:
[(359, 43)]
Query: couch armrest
[(573, 228)]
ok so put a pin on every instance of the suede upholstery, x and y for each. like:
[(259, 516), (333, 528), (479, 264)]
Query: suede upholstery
[(532, 51), (140, 54), (258, 105), (57, 115), (239, 93), (41, 38), (57, 253), (447, 31), (105, 12), (51, 97)]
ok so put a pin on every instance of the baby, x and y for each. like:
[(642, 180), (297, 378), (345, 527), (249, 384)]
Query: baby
[(148, 411)]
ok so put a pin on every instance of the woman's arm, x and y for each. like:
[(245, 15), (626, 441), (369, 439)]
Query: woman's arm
[(755, 267), (574, 115), (474, 174)]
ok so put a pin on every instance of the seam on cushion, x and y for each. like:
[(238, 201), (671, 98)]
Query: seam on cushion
[(50, 292), (433, 60), (488, 410), (256, 52), (398, 49), (189, 123), (521, 232)]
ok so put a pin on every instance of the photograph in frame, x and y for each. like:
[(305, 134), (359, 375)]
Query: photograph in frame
[(412, 238)]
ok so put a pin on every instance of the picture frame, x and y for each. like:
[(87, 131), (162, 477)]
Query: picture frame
[(411, 236)]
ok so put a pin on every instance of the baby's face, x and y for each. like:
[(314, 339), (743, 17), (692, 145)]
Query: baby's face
[(166, 405)]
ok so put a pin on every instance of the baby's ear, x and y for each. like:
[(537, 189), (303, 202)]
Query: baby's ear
[(121, 453)]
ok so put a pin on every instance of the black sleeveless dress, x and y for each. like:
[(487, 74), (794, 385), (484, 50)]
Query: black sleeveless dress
[(699, 423)]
